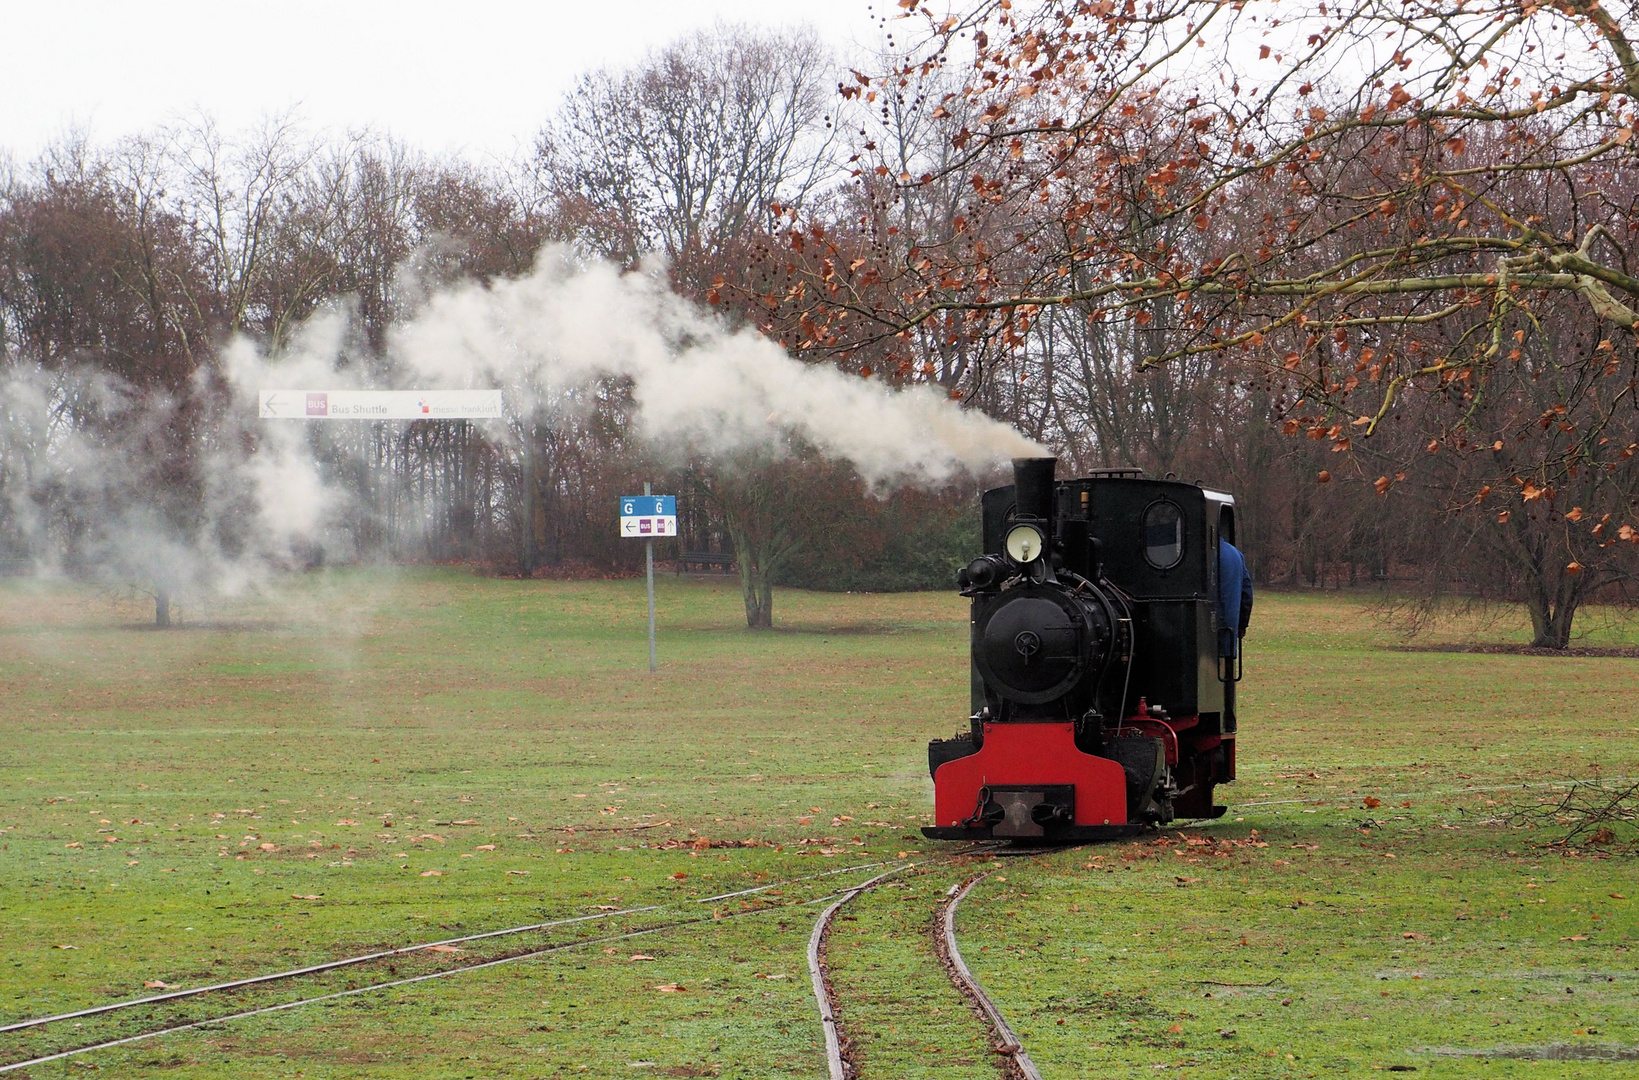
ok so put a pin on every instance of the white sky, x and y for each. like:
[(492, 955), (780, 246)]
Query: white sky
[(475, 77)]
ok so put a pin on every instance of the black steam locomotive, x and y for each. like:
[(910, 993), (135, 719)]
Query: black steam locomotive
[(1101, 705)]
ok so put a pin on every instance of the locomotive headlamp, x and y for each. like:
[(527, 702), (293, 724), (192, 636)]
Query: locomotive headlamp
[(1024, 544)]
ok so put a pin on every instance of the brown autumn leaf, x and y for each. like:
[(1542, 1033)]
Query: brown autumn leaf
[(1186, 880), (346, 821), (305, 896), (1574, 514), (679, 876), (1324, 477), (441, 948), (267, 847), (158, 984), (432, 873), (1176, 1029), (1382, 484), (484, 847), (519, 873), (1617, 896), (465, 821), (1573, 568), (641, 956), (670, 988), (1371, 802), (1575, 937)]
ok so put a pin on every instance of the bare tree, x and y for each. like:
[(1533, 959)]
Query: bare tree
[(689, 149)]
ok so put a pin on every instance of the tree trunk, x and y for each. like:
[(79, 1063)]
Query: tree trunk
[(162, 608), (1552, 615), (754, 583)]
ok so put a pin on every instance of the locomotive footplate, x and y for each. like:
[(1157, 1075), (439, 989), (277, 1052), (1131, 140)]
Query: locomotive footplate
[(1069, 834)]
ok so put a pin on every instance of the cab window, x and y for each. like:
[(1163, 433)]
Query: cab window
[(1163, 534)]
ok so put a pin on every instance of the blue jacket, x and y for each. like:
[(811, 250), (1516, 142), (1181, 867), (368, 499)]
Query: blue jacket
[(1234, 599)]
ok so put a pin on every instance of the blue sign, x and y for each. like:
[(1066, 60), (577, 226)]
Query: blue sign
[(648, 506)]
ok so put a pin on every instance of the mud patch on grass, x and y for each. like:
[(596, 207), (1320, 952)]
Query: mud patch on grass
[(1557, 1051), (1502, 649)]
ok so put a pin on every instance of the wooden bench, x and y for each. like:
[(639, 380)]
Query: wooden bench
[(703, 560)]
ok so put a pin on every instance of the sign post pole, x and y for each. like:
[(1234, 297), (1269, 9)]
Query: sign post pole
[(647, 516), (648, 559)]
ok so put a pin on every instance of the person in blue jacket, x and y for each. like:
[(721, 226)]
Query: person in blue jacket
[(1234, 613)]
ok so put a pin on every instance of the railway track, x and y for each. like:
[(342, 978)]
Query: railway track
[(840, 1065), (253, 982), (1017, 1064), (836, 1042)]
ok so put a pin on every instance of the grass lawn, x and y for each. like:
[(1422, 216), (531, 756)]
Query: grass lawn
[(369, 759)]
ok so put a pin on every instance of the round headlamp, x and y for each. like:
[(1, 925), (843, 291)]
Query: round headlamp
[(1025, 544)]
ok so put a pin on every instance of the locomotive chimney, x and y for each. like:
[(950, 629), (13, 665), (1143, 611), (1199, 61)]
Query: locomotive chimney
[(1033, 487)]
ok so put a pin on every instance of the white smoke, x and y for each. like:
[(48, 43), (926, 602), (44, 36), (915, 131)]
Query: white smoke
[(699, 390), (695, 383)]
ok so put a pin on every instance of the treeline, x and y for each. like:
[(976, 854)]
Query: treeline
[(860, 219)]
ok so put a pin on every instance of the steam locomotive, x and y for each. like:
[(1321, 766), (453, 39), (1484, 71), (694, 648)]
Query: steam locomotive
[(1100, 703)]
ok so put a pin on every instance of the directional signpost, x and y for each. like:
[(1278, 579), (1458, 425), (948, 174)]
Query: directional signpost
[(648, 516), (378, 404)]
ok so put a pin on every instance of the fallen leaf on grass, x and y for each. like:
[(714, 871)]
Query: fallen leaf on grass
[(606, 907), (465, 821), (762, 976), (1408, 935), (267, 847), (519, 873), (484, 847), (432, 873), (1371, 803), (111, 839), (641, 956), (441, 948), (1617, 896), (72, 845), (1575, 937), (1176, 1029), (346, 821), (670, 988), (1186, 880), (65, 946), (679, 876), (158, 984), (305, 896)]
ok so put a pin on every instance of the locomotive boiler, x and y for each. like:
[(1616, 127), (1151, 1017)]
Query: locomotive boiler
[(1100, 703)]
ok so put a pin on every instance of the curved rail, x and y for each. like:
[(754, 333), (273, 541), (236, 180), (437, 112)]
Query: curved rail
[(349, 961), (816, 971), (1009, 1042), (512, 958)]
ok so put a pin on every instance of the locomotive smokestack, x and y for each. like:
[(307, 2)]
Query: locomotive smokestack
[(1033, 486)]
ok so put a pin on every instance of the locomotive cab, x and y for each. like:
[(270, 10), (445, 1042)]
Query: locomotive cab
[(1099, 700)]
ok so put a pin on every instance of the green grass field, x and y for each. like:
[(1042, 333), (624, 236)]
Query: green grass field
[(372, 759)]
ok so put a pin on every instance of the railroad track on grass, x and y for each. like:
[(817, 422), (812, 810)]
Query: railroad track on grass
[(515, 956), (1016, 1063), (835, 1041)]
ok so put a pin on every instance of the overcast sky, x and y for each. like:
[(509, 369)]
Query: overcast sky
[(475, 77)]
